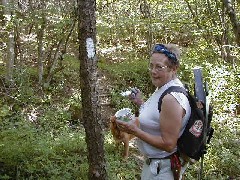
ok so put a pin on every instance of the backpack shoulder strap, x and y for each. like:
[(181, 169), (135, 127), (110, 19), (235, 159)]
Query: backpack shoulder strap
[(168, 91)]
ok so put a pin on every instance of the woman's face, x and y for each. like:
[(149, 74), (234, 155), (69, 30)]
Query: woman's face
[(159, 69)]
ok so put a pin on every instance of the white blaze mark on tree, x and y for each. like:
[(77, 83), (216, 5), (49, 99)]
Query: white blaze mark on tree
[(90, 48)]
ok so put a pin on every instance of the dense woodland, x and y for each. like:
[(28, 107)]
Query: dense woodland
[(43, 131)]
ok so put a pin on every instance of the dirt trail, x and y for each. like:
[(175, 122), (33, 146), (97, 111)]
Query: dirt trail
[(105, 88)]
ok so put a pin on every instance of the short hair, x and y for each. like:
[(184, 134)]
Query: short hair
[(172, 51)]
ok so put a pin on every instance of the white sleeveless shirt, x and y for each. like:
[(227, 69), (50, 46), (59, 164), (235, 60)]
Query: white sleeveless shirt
[(150, 119)]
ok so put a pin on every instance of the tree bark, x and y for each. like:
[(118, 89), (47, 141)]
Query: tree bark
[(233, 18), (88, 78), (40, 35), (11, 42)]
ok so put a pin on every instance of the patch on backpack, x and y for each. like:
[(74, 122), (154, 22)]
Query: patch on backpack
[(196, 128)]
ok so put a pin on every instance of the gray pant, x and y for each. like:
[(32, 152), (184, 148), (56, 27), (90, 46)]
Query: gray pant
[(159, 170)]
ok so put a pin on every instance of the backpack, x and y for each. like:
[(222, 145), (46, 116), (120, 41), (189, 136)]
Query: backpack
[(192, 143)]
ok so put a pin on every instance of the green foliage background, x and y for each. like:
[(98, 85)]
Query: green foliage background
[(40, 137)]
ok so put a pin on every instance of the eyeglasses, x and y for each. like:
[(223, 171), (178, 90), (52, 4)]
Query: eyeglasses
[(157, 68), (160, 48)]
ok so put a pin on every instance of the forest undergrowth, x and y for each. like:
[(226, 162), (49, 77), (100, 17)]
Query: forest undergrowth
[(42, 136)]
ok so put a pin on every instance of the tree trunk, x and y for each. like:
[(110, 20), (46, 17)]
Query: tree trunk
[(2, 20), (59, 53), (11, 43), (40, 35), (89, 95), (233, 18)]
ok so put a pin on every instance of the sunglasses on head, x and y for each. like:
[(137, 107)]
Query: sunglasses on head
[(160, 48)]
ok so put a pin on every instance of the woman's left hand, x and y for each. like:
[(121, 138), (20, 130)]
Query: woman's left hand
[(128, 127)]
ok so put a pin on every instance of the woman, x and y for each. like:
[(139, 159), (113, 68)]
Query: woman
[(159, 131)]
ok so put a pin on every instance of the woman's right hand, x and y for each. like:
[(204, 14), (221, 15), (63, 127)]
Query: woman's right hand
[(136, 96)]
